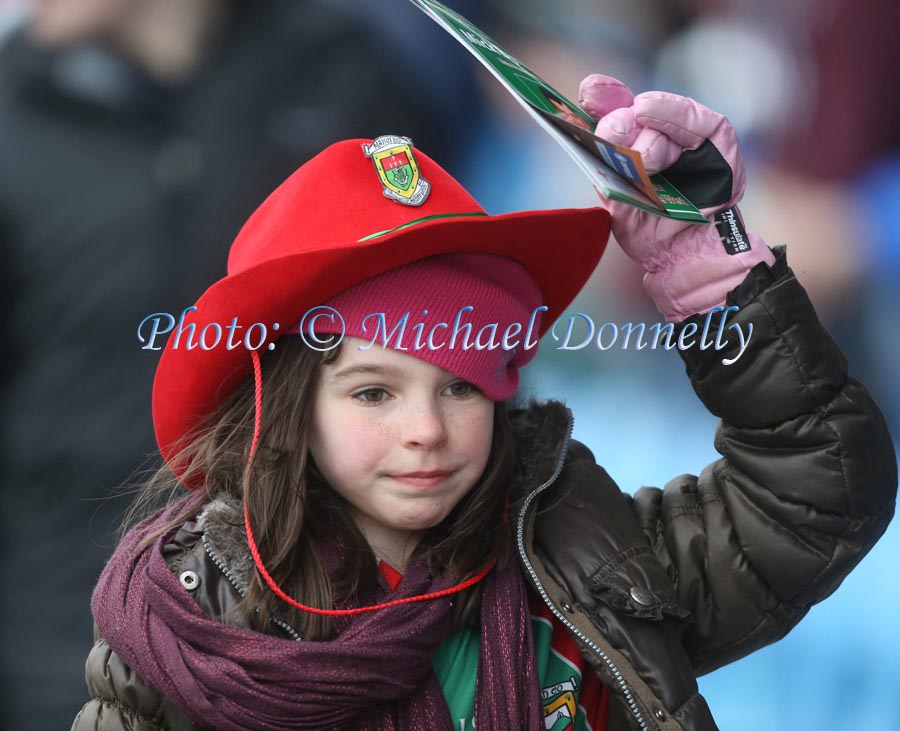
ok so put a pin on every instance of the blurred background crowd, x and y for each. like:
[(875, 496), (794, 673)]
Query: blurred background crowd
[(137, 135)]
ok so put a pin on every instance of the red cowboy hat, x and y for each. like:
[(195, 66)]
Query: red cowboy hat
[(337, 221)]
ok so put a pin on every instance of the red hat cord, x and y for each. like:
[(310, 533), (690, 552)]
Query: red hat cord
[(267, 577)]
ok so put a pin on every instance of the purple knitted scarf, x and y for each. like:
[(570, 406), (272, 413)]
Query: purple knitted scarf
[(375, 674)]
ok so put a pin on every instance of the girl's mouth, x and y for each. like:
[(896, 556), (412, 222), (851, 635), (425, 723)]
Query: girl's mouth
[(429, 478)]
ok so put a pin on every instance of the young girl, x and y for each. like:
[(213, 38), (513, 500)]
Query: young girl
[(373, 539)]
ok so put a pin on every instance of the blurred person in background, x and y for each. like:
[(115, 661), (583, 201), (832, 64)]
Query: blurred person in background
[(135, 137), (844, 159)]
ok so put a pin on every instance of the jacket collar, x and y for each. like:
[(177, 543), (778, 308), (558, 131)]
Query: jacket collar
[(541, 430)]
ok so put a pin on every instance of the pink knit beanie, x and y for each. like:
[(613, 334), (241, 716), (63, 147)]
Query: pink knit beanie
[(474, 315)]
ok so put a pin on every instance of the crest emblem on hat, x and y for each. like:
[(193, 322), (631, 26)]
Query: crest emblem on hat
[(397, 169)]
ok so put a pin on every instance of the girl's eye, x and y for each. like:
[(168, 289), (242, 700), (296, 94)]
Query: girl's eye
[(371, 395), (460, 389)]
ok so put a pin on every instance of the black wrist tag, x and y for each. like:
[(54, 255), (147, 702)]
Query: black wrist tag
[(732, 232)]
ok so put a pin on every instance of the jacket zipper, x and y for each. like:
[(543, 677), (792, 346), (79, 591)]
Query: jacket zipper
[(520, 542), (239, 588)]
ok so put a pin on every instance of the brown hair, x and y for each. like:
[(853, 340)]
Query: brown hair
[(292, 509)]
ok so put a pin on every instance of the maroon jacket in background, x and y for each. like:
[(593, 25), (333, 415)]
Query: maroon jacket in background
[(855, 114)]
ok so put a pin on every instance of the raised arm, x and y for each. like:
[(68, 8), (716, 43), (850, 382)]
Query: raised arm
[(808, 477), (804, 489)]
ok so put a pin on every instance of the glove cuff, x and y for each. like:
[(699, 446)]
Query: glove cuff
[(704, 265)]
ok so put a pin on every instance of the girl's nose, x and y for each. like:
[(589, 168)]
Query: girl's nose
[(424, 424)]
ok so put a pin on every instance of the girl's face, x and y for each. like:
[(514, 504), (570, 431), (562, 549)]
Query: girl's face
[(403, 441)]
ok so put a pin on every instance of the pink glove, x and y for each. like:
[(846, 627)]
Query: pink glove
[(690, 267)]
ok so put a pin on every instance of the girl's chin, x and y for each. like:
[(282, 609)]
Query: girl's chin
[(418, 523), (416, 526)]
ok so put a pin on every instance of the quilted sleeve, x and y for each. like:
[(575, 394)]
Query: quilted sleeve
[(121, 700), (805, 487)]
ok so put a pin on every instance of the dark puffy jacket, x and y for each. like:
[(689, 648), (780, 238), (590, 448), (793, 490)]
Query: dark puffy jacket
[(668, 584)]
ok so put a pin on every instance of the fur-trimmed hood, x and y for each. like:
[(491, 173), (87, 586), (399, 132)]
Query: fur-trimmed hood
[(540, 430)]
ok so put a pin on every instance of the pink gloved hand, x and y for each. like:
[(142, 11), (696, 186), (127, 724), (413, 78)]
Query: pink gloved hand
[(690, 267)]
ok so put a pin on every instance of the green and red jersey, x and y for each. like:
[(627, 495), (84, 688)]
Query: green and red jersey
[(574, 699)]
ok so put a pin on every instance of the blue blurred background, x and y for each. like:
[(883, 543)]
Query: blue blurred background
[(809, 84)]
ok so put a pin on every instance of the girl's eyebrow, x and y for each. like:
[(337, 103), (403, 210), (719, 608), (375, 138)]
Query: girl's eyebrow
[(366, 369)]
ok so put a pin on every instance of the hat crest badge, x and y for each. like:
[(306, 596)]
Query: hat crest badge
[(395, 163)]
